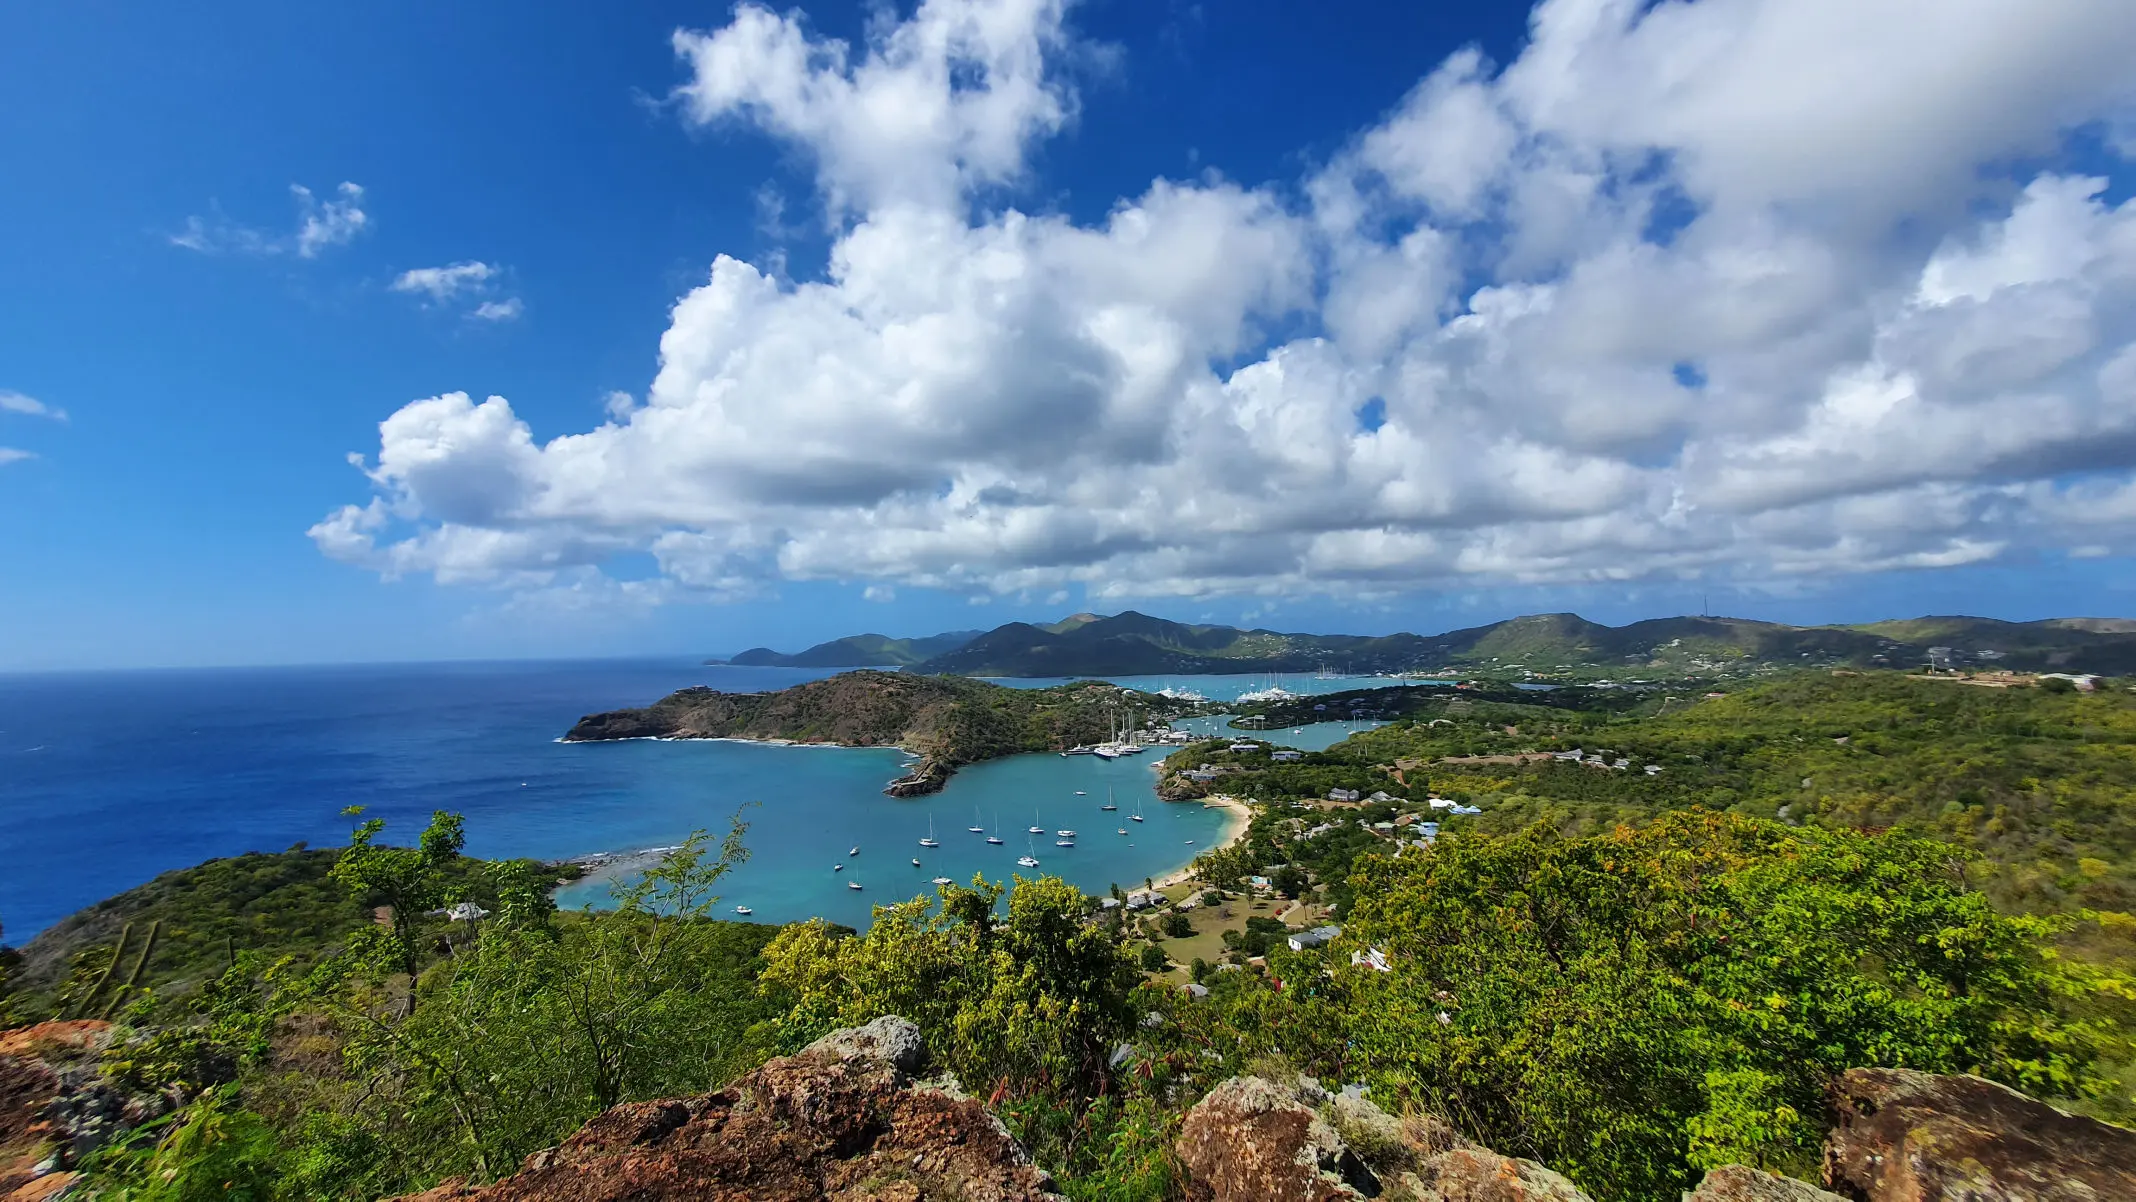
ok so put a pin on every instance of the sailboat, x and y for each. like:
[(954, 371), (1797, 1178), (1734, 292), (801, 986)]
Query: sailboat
[(942, 880), (975, 828), (995, 838), (852, 884), (1137, 815), (929, 841), (1027, 860), (1108, 801), (1036, 829)]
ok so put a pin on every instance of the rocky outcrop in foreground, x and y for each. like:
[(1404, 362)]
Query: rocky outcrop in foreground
[(1901, 1137), (1253, 1140), (1913, 1137), (56, 1106), (845, 1119), (851, 1118)]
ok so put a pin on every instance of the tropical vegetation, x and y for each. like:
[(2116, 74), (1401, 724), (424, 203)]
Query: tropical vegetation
[(1630, 976)]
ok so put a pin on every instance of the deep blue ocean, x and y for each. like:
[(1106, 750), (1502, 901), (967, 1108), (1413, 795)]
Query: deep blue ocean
[(108, 778)]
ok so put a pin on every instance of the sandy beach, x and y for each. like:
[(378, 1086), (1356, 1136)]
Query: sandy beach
[(1237, 815)]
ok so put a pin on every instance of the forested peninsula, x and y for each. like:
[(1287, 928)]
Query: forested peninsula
[(948, 721)]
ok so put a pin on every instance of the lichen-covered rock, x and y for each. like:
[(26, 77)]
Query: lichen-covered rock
[(1741, 1183), (1906, 1136), (1481, 1175), (844, 1119), (892, 1040), (1252, 1140)]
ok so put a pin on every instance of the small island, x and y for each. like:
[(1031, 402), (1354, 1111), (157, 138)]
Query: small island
[(947, 721)]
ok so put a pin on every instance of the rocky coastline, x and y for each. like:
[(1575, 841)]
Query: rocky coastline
[(946, 721)]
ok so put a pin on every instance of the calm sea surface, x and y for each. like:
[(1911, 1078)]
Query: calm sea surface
[(108, 778)]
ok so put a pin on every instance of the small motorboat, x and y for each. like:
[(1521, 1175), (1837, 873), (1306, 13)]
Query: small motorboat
[(1064, 843), (1123, 830), (1079, 793), (915, 861), (743, 910), (1190, 843), (943, 880)]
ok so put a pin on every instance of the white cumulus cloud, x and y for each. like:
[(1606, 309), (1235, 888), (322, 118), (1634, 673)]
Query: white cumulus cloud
[(1735, 287), (507, 309), (470, 280), (444, 283), (321, 224)]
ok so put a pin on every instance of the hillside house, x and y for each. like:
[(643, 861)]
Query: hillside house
[(1317, 937)]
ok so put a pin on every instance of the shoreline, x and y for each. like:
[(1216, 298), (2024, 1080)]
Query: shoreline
[(1238, 816)]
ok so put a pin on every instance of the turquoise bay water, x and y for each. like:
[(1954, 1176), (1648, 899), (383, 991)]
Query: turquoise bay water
[(108, 778), (818, 803)]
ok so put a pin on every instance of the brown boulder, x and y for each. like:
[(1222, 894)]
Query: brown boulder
[(1906, 1136), (1481, 1175), (841, 1120), (1252, 1140), (1741, 1183)]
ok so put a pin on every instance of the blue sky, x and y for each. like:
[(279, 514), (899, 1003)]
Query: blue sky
[(975, 366)]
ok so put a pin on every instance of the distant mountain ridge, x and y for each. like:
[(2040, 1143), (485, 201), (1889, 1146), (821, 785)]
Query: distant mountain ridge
[(1137, 644), (860, 651)]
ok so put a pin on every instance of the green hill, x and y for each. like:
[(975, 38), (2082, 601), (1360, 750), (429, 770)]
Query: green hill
[(859, 651), (948, 720)]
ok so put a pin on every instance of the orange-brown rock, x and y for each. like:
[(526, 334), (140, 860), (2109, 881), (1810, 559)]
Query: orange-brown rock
[(47, 1188), (844, 1120), (1252, 1140), (41, 1068), (1741, 1183), (1481, 1175), (1905, 1136)]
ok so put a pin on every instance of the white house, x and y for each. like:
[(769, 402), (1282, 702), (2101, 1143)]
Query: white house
[(1317, 937)]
